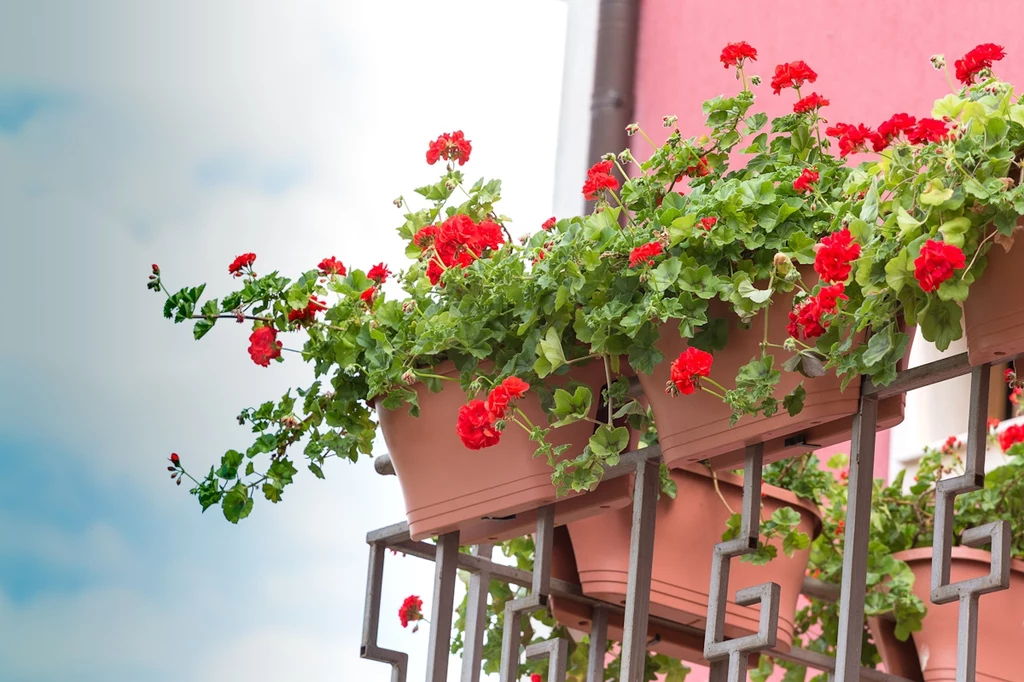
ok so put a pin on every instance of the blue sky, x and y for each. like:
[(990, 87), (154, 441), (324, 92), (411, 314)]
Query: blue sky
[(184, 133)]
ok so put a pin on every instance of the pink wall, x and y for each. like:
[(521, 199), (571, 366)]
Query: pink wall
[(871, 57)]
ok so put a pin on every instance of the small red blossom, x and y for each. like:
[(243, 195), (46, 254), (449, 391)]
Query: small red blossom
[(1012, 434), (697, 171), (734, 54), (411, 610), (841, 526), (928, 130), (549, 223), (834, 258), (450, 147), (156, 269), (812, 102), (808, 176), (709, 222), (367, 295), (475, 426), (175, 460), (379, 273), (331, 266), (539, 257), (992, 424), (805, 320), (1016, 394), (307, 314), (504, 394), (425, 237), (599, 178), (976, 60), (535, 677), (936, 264), (645, 255), (264, 346), (792, 75), (829, 297), (950, 445), (856, 138), (1009, 375), (687, 369), (896, 125), (457, 242), (244, 261)]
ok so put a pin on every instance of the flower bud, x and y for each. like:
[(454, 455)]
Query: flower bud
[(156, 269), (632, 129), (408, 306), (398, 202), (789, 344), (792, 276), (669, 121), (179, 482), (175, 460), (449, 184), (755, 80), (608, 157), (409, 378), (523, 238), (290, 421), (625, 156), (782, 263), (938, 61)]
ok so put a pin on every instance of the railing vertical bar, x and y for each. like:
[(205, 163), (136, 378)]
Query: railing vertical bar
[(641, 561), (858, 530), (967, 638), (542, 550), (445, 565), (476, 618), (371, 618), (598, 644)]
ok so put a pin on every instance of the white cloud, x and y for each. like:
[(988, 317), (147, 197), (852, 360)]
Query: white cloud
[(339, 100)]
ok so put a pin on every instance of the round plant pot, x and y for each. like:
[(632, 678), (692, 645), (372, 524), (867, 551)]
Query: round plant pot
[(696, 427), (930, 654), (685, 532), (994, 320), (491, 494)]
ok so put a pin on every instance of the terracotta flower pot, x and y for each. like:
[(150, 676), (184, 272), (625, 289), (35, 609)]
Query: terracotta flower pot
[(993, 320), (696, 427), (931, 653), (686, 530), (491, 494)]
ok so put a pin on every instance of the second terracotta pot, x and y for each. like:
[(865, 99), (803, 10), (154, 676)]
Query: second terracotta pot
[(994, 320), (930, 654), (686, 530), (491, 494)]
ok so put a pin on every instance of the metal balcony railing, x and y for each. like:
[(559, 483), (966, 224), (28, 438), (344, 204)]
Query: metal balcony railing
[(727, 657)]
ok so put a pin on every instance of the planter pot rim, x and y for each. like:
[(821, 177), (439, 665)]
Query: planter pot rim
[(961, 553), (778, 493)]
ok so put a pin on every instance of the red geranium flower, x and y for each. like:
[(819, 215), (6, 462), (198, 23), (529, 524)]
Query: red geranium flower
[(645, 254), (175, 460), (599, 178), (812, 102), (834, 259), (1011, 435), (458, 241), (549, 223), (379, 273), (927, 130), (734, 54), (977, 59), (508, 391), (367, 295), (244, 261), (992, 423), (264, 346), (411, 610), (307, 314), (806, 321), (425, 237), (698, 171), (709, 222), (855, 138), (936, 264), (156, 269), (897, 125), (687, 369), (792, 75), (950, 445), (450, 146), (475, 426), (331, 266), (535, 677), (807, 177)]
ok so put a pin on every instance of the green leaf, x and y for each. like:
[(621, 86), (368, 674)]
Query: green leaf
[(878, 346), (794, 400), (953, 230), (786, 516), (609, 441), (572, 407), (666, 274), (550, 349), (712, 336), (869, 209), (749, 292), (939, 322), (794, 542), (229, 464), (680, 228), (236, 503), (317, 471), (936, 194), (1017, 114), (897, 270)]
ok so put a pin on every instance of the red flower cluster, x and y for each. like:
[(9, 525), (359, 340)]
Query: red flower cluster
[(792, 75), (549, 223), (834, 258), (698, 171), (450, 146), (898, 124), (458, 241), (977, 59), (368, 295), (599, 178), (244, 261), (855, 138), (475, 426), (1012, 435), (379, 273), (411, 610), (264, 346), (504, 395), (992, 423), (687, 369), (331, 266), (645, 255), (936, 264), (812, 102), (708, 223), (535, 677), (805, 320), (807, 177), (734, 54), (928, 130), (307, 314), (950, 445)]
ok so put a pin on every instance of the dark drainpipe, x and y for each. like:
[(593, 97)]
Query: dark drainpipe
[(611, 108)]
